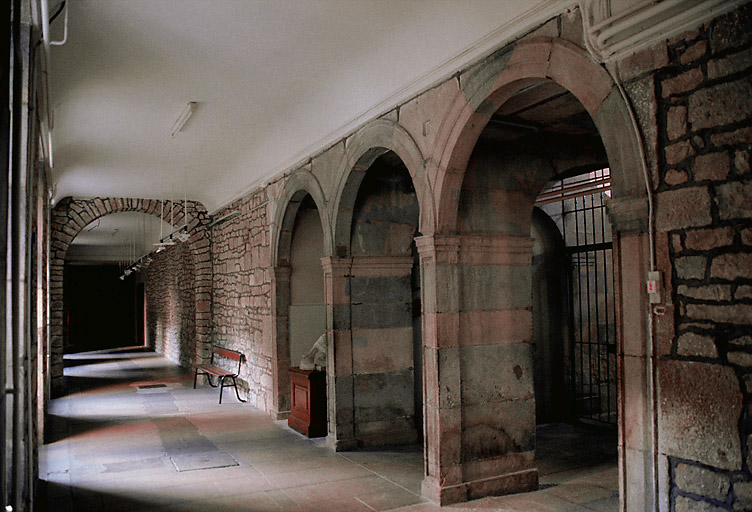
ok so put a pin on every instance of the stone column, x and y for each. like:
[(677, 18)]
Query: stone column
[(480, 404), (382, 350), (339, 369), (442, 409), (637, 453), (281, 342)]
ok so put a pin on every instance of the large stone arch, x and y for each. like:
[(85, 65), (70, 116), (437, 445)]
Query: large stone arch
[(483, 90), (70, 216), (299, 185), (362, 149), (528, 62)]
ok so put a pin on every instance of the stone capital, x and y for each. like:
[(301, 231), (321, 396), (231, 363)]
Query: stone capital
[(495, 250), (628, 214), (438, 248), (381, 266), (334, 266)]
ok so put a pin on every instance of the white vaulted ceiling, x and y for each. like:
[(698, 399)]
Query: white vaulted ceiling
[(274, 79)]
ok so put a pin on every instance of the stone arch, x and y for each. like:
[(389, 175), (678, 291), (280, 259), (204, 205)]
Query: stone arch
[(299, 185), (70, 216), (531, 61), (483, 90), (362, 149)]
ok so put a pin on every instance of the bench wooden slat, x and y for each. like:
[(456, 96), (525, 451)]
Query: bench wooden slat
[(229, 354), (214, 370)]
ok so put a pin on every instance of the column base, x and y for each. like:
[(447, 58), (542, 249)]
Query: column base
[(279, 415), (340, 445), (510, 483), (377, 440)]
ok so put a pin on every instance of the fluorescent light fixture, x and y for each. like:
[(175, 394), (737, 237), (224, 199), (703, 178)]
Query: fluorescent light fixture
[(185, 115)]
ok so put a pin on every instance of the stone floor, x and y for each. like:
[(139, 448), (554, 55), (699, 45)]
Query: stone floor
[(132, 435)]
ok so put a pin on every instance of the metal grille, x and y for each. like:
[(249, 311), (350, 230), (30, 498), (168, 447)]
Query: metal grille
[(592, 315)]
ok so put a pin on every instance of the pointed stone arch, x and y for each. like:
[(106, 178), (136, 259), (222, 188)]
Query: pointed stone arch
[(70, 216)]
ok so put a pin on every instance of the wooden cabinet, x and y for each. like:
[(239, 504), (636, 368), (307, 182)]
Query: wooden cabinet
[(308, 410)]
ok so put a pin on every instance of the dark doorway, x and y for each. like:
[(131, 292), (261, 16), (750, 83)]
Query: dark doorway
[(100, 309)]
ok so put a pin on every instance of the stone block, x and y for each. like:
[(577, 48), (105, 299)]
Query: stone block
[(571, 27), (743, 359), (683, 208), (682, 83), (712, 292), (731, 30), (497, 429), (422, 115), (381, 289), (675, 177), (690, 267), (712, 166), (383, 396), (494, 373), (742, 496), (488, 468), (443, 378), (495, 211), (704, 239), (678, 151), (382, 315), (702, 482), (322, 165), (476, 83), (741, 162), (684, 504), (743, 292), (694, 52), (721, 104), (635, 402), (644, 61), (732, 266), (692, 344), (734, 200), (500, 326), (494, 287), (676, 122), (382, 350), (699, 405), (729, 65)]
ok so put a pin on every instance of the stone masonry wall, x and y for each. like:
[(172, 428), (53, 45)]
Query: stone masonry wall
[(241, 287), (704, 223), (171, 305)]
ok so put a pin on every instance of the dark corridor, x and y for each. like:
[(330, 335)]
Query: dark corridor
[(101, 311)]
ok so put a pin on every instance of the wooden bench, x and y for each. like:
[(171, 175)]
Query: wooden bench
[(212, 369)]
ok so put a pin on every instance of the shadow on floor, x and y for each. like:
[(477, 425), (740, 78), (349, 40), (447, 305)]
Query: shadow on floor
[(135, 436)]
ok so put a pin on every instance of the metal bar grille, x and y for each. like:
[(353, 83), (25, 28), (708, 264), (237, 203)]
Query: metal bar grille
[(592, 316)]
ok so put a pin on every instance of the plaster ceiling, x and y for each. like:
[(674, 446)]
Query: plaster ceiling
[(274, 81)]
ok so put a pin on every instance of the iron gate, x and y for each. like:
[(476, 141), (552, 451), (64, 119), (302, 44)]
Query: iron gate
[(592, 314)]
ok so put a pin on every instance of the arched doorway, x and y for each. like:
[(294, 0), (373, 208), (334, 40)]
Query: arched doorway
[(492, 161), (69, 218), (378, 386), (299, 307)]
